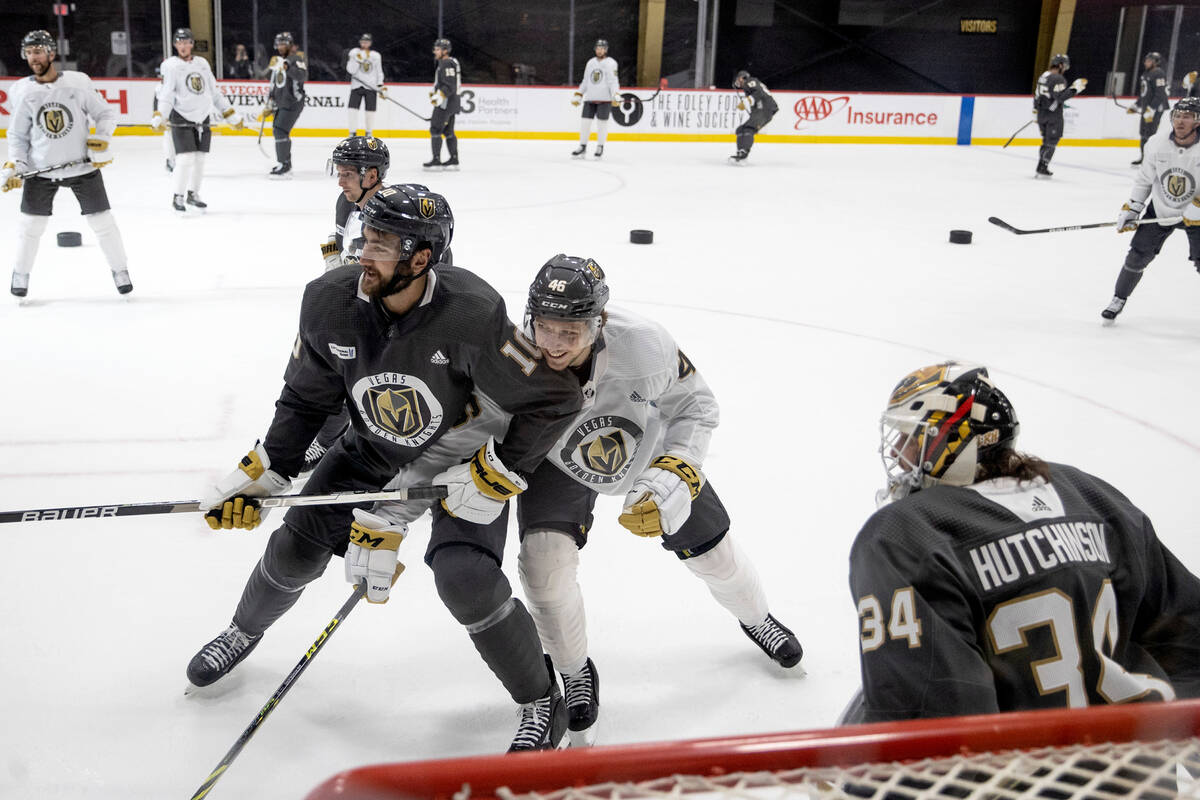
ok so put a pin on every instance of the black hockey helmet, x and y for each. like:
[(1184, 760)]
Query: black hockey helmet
[(362, 152), (1154, 56), (366, 37), (939, 423), (38, 39), (183, 35), (284, 37), (567, 287), (1061, 60), (414, 213), (601, 43), (740, 78), (442, 44)]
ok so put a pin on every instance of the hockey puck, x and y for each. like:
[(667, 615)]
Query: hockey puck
[(70, 239), (641, 237), (960, 237)]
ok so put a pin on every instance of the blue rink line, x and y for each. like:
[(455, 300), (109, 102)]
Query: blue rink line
[(966, 114)]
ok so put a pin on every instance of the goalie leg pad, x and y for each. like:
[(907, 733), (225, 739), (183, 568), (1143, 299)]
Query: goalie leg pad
[(732, 580), (547, 565)]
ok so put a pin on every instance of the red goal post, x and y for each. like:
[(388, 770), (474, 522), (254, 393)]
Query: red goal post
[(1143, 750)]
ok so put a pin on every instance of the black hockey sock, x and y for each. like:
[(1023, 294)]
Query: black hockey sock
[(283, 151), (1045, 154), (1127, 281), (436, 143), (287, 565), (452, 146), (745, 141), (512, 650)]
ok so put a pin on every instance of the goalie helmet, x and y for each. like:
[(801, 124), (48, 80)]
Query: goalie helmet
[(284, 37), (183, 35), (939, 422), (1061, 60), (415, 214), (41, 39), (363, 152)]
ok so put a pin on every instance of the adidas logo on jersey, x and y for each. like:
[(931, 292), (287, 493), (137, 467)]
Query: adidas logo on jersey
[(439, 358), (634, 397), (1040, 505)]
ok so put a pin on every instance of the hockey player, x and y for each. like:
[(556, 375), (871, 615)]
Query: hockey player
[(1170, 177), (1152, 100), (366, 83), (990, 580), (288, 72), (598, 92), (447, 83), (643, 434), (168, 142), (762, 108), (50, 125), (406, 343), (1052, 95), (186, 97)]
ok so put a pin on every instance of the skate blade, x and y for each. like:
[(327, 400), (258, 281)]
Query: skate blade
[(583, 738)]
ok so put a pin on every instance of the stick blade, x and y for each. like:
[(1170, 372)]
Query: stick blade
[(1002, 224)]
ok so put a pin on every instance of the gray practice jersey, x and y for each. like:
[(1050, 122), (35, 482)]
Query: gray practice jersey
[(50, 123)]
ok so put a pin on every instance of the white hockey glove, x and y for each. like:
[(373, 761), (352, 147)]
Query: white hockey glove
[(661, 498), (1079, 84), (331, 253), (1189, 80), (1148, 115), (1133, 110), (479, 488), (438, 98), (577, 99), (233, 118), (1128, 215), (371, 554), (616, 101), (157, 123), (98, 151), (9, 178), (230, 504), (381, 91)]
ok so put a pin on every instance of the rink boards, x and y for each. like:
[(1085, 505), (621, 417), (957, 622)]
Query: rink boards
[(543, 112)]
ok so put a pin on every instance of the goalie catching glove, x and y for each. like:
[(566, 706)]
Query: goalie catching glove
[(371, 554), (661, 498), (230, 504), (478, 489), (1128, 215)]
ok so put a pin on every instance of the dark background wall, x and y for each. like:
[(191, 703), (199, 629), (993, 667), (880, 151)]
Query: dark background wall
[(852, 45)]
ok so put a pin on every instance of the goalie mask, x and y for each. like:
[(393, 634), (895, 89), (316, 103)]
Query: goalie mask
[(939, 421)]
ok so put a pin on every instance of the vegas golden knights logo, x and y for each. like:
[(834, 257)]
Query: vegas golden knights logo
[(195, 83), (53, 120), (597, 76), (686, 367), (594, 268), (427, 207), (917, 381), (397, 410), (606, 454), (1176, 186)]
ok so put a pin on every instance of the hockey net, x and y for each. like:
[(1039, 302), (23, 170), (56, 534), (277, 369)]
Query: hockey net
[(1148, 750)]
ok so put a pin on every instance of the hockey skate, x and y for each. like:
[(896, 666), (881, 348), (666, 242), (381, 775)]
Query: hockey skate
[(20, 284), (177, 203), (579, 151), (193, 199), (599, 151), (450, 163), (123, 283), (543, 724), (582, 695), (777, 641), (282, 169), (433, 163), (738, 157), (218, 657), (1115, 307), (1043, 171)]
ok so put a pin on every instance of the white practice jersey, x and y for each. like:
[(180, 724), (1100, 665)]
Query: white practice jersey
[(365, 66), (189, 88), (50, 123), (352, 236), (1169, 174), (643, 399), (600, 83)]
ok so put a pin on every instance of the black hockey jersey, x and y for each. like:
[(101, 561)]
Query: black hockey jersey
[(1152, 90), (408, 379), (761, 99), (447, 79), (1006, 596), (287, 85), (1052, 93)]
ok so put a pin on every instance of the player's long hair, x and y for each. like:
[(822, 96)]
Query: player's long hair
[(1008, 463)]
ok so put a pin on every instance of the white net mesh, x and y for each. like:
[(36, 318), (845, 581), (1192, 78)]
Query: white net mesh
[(1151, 770)]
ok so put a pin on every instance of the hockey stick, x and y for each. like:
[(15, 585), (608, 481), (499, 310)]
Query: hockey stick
[(1019, 232), (389, 99), (33, 172), (1114, 99), (276, 698), (1023, 127), (262, 128), (662, 84), (286, 500)]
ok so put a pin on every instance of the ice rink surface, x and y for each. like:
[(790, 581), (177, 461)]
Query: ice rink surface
[(803, 285)]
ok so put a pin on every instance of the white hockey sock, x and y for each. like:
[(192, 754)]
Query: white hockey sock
[(104, 225), (352, 120), (601, 131), (29, 232), (183, 168), (733, 581), (370, 121), (168, 145), (585, 130), (197, 172), (547, 565)]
